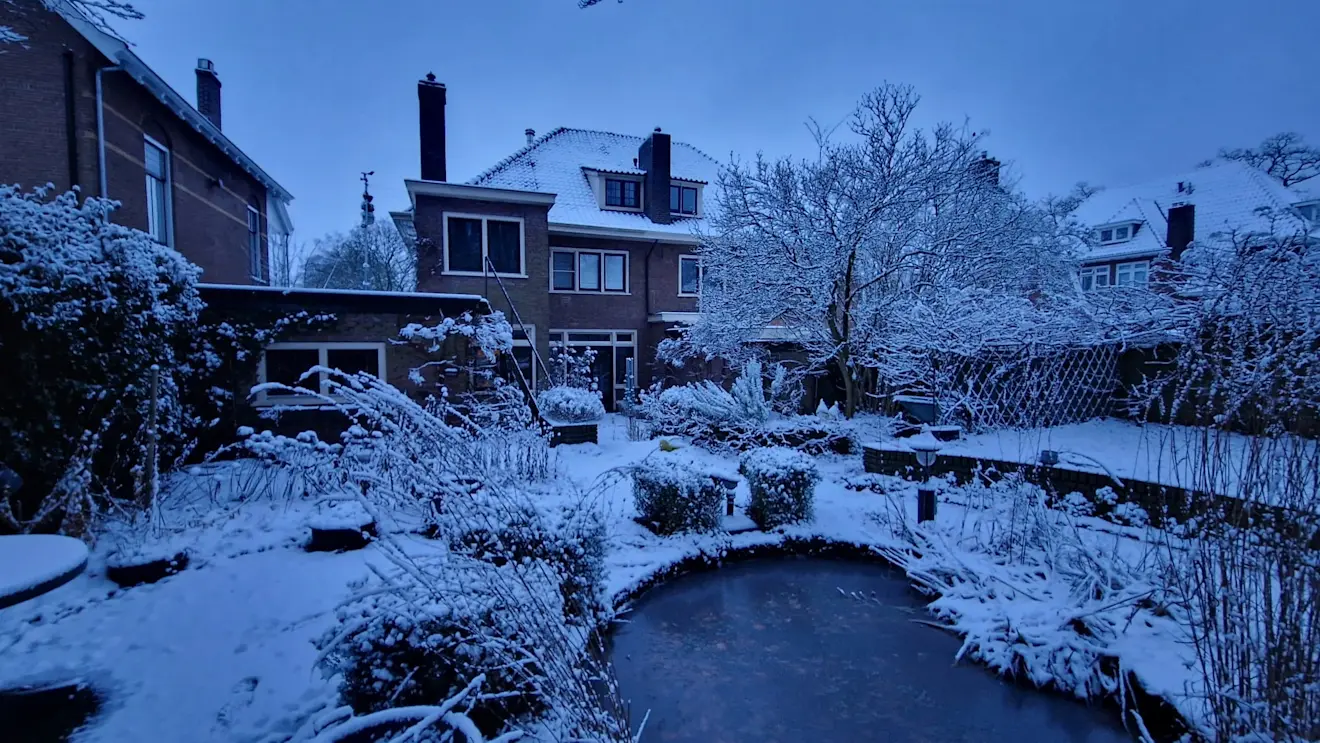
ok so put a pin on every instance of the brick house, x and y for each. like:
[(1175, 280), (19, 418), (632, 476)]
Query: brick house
[(81, 109), (1135, 226), (580, 237)]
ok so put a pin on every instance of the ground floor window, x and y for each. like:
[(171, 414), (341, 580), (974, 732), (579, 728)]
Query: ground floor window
[(613, 349), (1094, 277), (286, 363)]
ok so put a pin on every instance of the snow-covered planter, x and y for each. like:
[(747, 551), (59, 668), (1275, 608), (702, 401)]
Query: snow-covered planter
[(782, 483), (672, 496), (570, 405), (341, 527)]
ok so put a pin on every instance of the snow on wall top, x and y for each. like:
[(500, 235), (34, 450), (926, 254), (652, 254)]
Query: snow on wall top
[(1227, 195), (556, 163)]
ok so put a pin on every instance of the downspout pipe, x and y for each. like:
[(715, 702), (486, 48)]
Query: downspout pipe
[(100, 129)]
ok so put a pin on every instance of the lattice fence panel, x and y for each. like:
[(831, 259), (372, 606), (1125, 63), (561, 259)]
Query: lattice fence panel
[(1024, 387)]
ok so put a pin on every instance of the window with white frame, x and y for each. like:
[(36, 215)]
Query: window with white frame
[(592, 271), (1094, 277), (256, 261), (156, 158), (689, 276), (1310, 211), (1135, 273), (613, 350), (1116, 234), (623, 193), (477, 245), (288, 363), (683, 199)]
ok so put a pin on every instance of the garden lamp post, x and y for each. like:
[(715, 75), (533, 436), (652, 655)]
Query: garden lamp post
[(927, 449)]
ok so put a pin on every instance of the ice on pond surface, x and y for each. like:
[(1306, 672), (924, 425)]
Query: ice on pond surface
[(812, 649)]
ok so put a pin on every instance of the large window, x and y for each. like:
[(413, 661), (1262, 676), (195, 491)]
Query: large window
[(623, 194), (286, 363), (588, 271), (159, 209), (1136, 273), (256, 260), (682, 199), (689, 276), (471, 241), (1094, 277), (613, 349)]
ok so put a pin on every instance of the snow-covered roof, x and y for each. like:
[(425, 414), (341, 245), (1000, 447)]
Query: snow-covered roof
[(1227, 195), (119, 52), (1308, 190), (557, 163)]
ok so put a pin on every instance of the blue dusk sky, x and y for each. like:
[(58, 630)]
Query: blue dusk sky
[(1110, 92)]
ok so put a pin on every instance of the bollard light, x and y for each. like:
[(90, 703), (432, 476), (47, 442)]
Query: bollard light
[(927, 449)]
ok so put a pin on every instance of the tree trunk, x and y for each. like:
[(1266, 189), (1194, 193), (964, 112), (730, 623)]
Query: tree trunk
[(849, 386)]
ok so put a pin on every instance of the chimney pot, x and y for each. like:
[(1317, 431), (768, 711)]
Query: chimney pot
[(657, 128), (431, 128), (531, 134), (208, 91)]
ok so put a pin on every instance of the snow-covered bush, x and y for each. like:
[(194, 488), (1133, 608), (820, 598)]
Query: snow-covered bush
[(782, 482), (573, 367), (570, 405), (672, 497), (86, 308)]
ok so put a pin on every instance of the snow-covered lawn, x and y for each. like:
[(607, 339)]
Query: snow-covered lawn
[(223, 651)]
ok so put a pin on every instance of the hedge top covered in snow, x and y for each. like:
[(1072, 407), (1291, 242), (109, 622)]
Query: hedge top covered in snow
[(778, 463), (570, 405)]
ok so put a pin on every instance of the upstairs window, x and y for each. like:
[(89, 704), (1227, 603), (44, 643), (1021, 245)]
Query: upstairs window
[(588, 271), (682, 199), (480, 245), (1310, 211), (256, 261), (159, 209), (689, 276), (1094, 277), (1136, 273), (623, 194), (1116, 234)]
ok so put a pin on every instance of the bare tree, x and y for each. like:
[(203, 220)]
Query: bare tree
[(373, 257), (1284, 156), (832, 253)]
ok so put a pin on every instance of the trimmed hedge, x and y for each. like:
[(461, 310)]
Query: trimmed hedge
[(782, 483), (672, 498)]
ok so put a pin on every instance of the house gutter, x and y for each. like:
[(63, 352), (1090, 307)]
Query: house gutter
[(646, 274), (100, 128)]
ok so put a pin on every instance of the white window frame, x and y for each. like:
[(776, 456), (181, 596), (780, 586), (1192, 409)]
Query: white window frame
[(256, 260), (1130, 267), (561, 335), (1092, 272), (1113, 229), (700, 276), (686, 184), (1309, 211), (265, 398), (485, 244), (605, 179), (169, 188), (577, 272)]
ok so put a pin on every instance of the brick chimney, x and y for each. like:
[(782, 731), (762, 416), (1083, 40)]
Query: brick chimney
[(653, 157), (208, 91), (431, 127), (1182, 229), (987, 168)]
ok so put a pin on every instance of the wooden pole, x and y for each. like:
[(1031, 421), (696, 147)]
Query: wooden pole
[(152, 412)]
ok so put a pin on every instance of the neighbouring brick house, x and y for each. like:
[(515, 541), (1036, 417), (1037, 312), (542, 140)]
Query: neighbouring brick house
[(79, 108), (591, 234), (1135, 226)]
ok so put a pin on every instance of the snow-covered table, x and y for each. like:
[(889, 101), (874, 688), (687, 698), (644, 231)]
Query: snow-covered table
[(32, 564)]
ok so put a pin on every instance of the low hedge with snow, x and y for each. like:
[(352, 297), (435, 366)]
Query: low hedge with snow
[(672, 497), (570, 405), (782, 483)]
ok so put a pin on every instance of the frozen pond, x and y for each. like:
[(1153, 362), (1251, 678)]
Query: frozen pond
[(769, 650)]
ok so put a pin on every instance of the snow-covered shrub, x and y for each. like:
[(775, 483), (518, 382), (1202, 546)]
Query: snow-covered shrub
[(782, 482), (672, 497), (748, 393), (786, 391), (86, 308), (1076, 504), (570, 405), (1131, 514), (573, 367)]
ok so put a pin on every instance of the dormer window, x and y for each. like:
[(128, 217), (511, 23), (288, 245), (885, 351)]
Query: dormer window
[(682, 199), (1310, 212), (1118, 233), (622, 193)]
